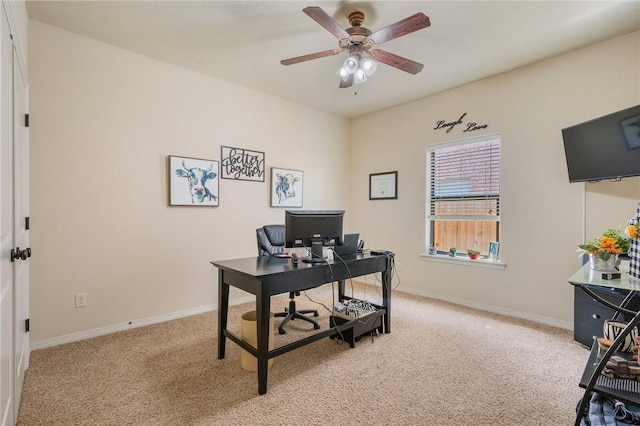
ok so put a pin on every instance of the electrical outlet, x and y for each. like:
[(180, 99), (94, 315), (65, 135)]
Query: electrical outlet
[(81, 300)]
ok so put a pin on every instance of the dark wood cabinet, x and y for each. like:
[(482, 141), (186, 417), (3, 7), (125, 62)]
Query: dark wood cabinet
[(589, 314)]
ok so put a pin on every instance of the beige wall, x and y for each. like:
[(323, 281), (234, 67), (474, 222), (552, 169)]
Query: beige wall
[(543, 216), (103, 121)]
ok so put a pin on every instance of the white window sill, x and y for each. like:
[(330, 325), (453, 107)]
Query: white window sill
[(464, 260)]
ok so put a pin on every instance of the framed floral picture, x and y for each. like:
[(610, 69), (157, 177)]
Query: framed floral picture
[(286, 187), (193, 182)]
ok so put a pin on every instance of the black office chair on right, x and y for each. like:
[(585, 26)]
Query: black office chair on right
[(270, 242)]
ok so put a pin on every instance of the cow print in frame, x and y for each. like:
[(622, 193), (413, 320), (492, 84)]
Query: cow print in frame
[(193, 182), (286, 187)]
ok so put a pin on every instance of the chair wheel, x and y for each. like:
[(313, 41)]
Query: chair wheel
[(281, 331), (316, 326), (316, 314)]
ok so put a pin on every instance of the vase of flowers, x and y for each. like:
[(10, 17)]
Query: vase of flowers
[(603, 251), (598, 264), (433, 249)]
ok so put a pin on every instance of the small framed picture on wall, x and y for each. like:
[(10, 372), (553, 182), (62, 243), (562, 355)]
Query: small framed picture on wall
[(193, 182), (383, 186), (286, 187)]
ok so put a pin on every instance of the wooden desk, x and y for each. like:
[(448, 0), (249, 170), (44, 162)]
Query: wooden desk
[(265, 276), (592, 379)]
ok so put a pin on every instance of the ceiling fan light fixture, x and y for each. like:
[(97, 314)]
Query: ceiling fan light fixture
[(342, 72), (359, 41), (351, 64), (369, 66), (360, 76)]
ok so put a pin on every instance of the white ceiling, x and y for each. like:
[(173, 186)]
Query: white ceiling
[(243, 41)]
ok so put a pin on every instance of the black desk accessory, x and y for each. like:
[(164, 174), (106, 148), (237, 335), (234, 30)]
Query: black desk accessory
[(381, 253), (611, 276)]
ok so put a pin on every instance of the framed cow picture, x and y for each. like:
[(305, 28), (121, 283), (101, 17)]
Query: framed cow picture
[(286, 187), (193, 182)]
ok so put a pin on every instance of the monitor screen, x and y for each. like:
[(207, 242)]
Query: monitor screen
[(607, 147), (313, 229)]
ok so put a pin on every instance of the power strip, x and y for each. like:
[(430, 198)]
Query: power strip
[(353, 309)]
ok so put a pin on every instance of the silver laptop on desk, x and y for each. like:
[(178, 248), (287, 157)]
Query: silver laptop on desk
[(349, 245)]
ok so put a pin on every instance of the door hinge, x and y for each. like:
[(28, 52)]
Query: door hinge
[(26, 325), (26, 120), (26, 223)]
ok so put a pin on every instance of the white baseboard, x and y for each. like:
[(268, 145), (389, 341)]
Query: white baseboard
[(568, 325), (74, 337), (87, 334)]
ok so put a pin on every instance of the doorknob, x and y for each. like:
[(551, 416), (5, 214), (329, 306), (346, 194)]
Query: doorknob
[(20, 254)]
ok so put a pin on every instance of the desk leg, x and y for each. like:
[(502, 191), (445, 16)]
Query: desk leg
[(223, 309), (263, 309), (340, 290), (386, 296)]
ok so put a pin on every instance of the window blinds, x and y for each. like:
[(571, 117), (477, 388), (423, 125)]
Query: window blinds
[(464, 181)]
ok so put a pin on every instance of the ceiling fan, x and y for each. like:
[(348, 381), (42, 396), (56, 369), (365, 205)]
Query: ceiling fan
[(360, 42)]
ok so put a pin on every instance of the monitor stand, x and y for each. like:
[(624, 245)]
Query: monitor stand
[(316, 253)]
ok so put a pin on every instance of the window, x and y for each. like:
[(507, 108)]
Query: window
[(463, 194)]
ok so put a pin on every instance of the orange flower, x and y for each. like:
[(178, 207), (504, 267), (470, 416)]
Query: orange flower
[(612, 242), (609, 245), (632, 231)]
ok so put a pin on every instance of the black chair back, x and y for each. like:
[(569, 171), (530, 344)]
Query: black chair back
[(270, 239)]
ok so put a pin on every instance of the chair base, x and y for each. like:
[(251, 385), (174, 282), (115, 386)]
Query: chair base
[(291, 313)]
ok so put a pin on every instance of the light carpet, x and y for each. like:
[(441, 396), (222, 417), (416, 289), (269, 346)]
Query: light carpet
[(442, 364)]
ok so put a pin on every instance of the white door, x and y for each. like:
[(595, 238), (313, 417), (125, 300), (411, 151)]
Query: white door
[(21, 235), (7, 373)]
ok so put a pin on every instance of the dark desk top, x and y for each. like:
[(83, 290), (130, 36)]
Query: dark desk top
[(261, 266), (282, 275)]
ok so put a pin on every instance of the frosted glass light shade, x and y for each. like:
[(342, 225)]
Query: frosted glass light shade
[(351, 64), (360, 76), (368, 66), (342, 72)]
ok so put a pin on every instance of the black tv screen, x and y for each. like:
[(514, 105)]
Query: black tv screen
[(604, 148)]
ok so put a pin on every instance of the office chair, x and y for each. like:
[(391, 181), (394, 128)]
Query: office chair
[(270, 242)]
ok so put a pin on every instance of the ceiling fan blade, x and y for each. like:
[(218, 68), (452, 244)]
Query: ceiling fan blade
[(406, 26), (310, 56), (346, 83), (321, 17), (404, 64)]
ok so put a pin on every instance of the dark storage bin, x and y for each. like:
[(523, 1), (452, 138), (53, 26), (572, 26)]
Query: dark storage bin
[(364, 326)]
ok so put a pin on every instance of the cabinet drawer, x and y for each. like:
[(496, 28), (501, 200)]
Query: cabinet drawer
[(585, 333), (592, 314), (613, 296)]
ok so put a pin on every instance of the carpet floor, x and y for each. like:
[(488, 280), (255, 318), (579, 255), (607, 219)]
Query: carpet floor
[(442, 364)]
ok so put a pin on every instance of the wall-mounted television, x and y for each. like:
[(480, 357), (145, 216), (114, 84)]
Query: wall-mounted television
[(604, 148)]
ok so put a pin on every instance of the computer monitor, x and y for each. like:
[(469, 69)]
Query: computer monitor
[(313, 229)]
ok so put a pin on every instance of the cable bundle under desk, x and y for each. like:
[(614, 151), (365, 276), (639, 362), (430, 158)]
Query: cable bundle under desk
[(365, 316)]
